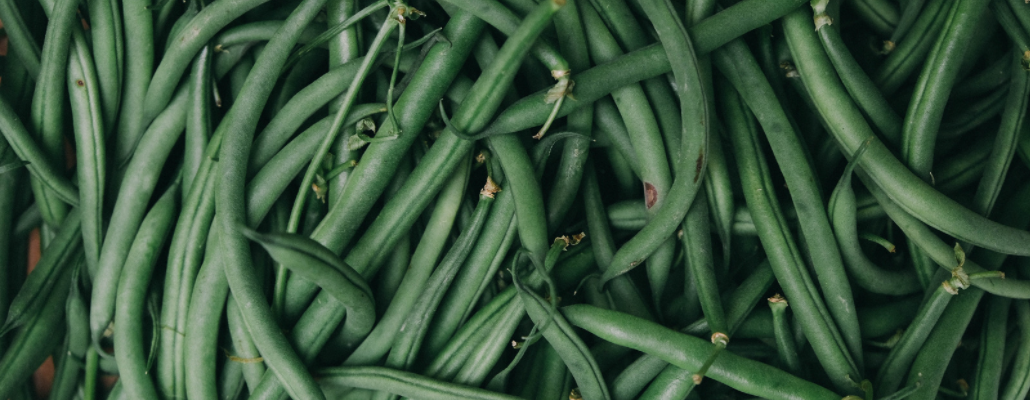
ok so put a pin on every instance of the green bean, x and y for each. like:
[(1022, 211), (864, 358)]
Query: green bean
[(556, 381), (312, 261), (8, 203), (559, 333), (239, 126), (50, 273), (489, 253), (231, 385), (132, 287), (928, 367), (48, 101), (866, 274), (740, 302), (987, 382), (32, 344), (260, 31), (194, 36), (572, 42), (418, 273), (405, 383), (205, 312), (641, 64), (719, 189), (786, 260), (868, 97), (471, 116), (90, 151), (1017, 385), (129, 210), (695, 115), (396, 18), (879, 16), (22, 44), (249, 358), (645, 140), (431, 80), (407, 345), (77, 342), (911, 193), (910, 53), (610, 124), (970, 116), (138, 25), (786, 347), (688, 353), (109, 53), (1012, 121), (344, 47), (632, 380), (698, 249), (198, 123)]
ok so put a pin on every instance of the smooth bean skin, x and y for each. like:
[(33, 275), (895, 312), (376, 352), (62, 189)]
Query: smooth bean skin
[(405, 384), (688, 352), (1019, 380), (239, 126), (987, 381), (909, 191), (413, 109), (647, 62), (132, 290), (32, 344)]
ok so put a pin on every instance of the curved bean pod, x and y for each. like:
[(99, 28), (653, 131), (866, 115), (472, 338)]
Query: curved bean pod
[(405, 384), (909, 191), (132, 290), (688, 352)]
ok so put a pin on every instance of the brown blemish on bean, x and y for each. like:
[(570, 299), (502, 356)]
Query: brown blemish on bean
[(698, 165), (80, 83), (650, 195)]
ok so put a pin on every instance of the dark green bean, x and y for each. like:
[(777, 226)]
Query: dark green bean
[(641, 64), (418, 273), (559, 333), (873, 103), (1013, 119), (784, 256), (51, 270), (205, 312), (130, 208), (138, 24), (786, 347), (48, 102), (239, 126), (645, 140), (928, 367), (176, 59), (987, 382), (132, 288), (1019, 381), (688, 353), (912, 193), (199, 118), (867, 275), (312, 261), (105, 27), (22, 44), (565, 187), (801, 181), (910, 53), (413, 108), (248, 357), (90, 150), (405, 383)]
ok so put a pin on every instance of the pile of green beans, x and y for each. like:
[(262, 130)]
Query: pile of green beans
[(441, 199)]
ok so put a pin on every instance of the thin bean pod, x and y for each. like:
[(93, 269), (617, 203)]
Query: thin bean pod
[(688, 353), (1019, 380), (909, 191), (989, 367), (132, 289)]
